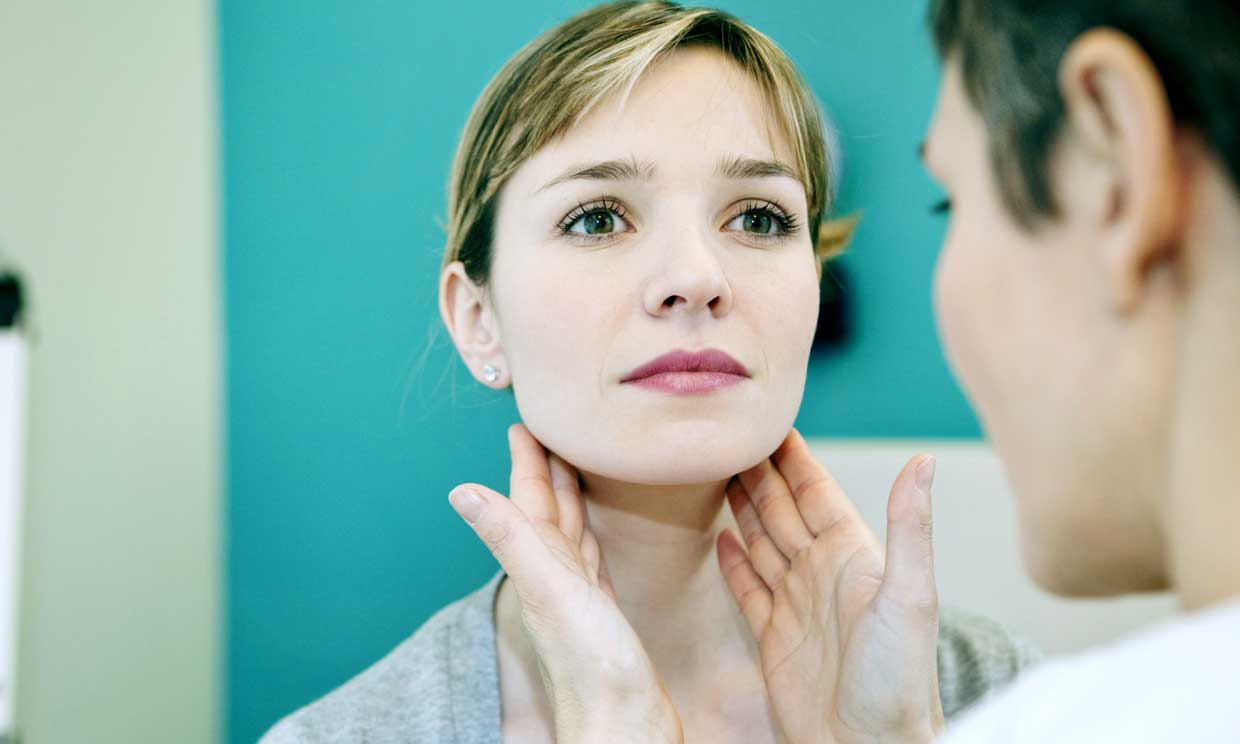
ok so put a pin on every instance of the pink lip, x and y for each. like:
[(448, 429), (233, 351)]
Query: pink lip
[(689, 372)]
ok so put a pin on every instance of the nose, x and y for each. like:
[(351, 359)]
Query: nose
[(688, 280)]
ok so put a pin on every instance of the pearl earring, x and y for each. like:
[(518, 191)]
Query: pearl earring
[(489, 373)]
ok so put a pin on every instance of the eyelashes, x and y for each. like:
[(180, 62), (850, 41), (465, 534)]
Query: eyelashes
[(606, 217), (942, 208), (603, 206), (751, 214)]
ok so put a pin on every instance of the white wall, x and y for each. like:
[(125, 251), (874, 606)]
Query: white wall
[(108, 205), (977, 555)]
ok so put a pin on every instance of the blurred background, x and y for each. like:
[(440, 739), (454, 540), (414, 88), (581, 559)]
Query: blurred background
[(242, 422)]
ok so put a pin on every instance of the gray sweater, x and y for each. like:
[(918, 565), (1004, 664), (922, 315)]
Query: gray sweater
[(441, 685)]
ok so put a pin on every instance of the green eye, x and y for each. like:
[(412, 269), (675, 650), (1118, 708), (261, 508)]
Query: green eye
[(598, 223), (600, 219), (759, 222), (766, 220)]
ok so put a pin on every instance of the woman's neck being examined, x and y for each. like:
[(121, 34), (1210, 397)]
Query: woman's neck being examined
[(659, 545)]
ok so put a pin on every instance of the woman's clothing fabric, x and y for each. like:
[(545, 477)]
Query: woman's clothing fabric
[(441, 685)]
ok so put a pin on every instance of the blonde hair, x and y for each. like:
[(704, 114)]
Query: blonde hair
[(556, 79)]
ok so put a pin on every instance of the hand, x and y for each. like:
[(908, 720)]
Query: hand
[(848, 644), (601, 683)]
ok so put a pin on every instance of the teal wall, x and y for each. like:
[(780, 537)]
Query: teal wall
[(339, 121)]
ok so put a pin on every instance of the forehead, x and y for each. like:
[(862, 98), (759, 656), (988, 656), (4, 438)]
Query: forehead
[(684, 113)]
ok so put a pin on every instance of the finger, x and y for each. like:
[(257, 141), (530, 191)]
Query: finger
[(821, 501), (776, 508), (592, 551), (768, 561), (508, 534), (569, 503), (747, 588), (909, 576), (604, 576), (529, 485)]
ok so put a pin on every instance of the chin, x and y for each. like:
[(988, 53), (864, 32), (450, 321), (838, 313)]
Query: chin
[(675, 455), (1078, 567), (678, 465), (665, 473)]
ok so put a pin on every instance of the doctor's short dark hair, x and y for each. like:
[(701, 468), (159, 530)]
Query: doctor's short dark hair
[(1010, 51)]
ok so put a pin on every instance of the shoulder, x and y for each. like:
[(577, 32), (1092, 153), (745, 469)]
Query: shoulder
[(1172, 684), (977, 657), (412, 692)]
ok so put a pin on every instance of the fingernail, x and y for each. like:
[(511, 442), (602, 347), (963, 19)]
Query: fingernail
[(466, 503), (925, 474)]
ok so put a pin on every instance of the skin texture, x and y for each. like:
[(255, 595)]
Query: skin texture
[(564, 319), (1099, 348), (848, 636)]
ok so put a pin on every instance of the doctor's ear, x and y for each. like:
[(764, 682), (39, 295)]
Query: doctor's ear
[(466, 311), (1117, 111)]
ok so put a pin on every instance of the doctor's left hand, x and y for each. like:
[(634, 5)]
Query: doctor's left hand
[(848, 637)]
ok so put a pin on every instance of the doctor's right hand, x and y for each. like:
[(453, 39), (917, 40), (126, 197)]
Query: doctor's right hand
[(601, 683)]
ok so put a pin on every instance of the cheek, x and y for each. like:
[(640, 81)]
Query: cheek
[(783, 302), (558, 322), (780, 305), (954, 296), (553, 329), (972, 305)]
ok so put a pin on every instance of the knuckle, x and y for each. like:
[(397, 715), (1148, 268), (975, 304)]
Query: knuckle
[(751, 598), (763, 495), (925, 607), (497, 534), (819, 481), (753, 538), (530, 480)]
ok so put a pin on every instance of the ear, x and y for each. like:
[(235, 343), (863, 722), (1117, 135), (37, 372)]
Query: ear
[(466, 311), (1117, 110)]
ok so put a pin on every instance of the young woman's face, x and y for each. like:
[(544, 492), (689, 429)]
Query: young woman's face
[(666, 223)]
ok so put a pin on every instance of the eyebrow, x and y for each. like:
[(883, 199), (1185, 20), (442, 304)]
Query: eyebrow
[(608, 170), (749, 168), (635, 170)]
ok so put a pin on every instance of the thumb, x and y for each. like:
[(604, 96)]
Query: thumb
[(506, 532), (909, 577)]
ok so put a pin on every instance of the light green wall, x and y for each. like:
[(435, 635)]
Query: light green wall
[(108, 205)]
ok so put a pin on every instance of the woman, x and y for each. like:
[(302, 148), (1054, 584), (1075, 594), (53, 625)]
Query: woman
[(634, 247)]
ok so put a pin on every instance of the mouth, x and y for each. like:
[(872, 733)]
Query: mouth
[(688, 372)]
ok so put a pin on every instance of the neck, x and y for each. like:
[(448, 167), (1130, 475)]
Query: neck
[(1203, 509), (659, 544)]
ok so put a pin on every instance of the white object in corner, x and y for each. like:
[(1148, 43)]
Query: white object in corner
[(12, 458)]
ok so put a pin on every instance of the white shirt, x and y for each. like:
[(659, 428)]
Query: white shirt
[(1178, 683)]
